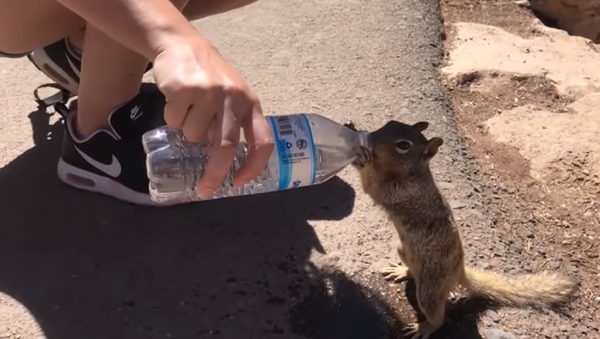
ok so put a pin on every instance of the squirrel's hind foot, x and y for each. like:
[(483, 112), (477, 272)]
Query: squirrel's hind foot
[(397, 272), (420, 330)]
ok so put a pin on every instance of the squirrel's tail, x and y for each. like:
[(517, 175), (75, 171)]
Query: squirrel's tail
[(540, 290)]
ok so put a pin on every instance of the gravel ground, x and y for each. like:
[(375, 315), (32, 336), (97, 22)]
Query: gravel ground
[(539, 224), (293, 265)]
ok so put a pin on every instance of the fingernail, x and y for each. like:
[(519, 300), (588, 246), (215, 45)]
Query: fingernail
[(203, 192)]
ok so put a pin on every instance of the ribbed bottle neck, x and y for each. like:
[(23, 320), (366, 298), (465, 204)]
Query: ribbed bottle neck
[(363, 136)]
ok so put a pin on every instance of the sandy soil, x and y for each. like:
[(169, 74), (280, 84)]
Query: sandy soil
[(298, 264), (526, 97)]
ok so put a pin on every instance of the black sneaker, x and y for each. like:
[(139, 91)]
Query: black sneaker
[(61, 63), (112, 161)]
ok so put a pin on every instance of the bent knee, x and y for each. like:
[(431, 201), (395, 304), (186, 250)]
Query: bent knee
[(29, 24), (12, 55), (10, 47)]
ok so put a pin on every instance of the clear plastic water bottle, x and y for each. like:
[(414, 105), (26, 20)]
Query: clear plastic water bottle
[(309, 149)]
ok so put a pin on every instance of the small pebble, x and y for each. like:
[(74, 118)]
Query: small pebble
[(493, 333), (493, 315), (455, 204), (446, 185)]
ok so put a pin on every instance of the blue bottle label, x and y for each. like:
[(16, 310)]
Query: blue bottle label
[(295, 147)]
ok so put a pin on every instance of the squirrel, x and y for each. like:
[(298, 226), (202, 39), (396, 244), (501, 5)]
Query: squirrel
[(394, 171)]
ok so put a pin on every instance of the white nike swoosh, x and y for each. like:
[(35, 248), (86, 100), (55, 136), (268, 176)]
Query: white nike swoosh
[(73, 67), (113, 169)]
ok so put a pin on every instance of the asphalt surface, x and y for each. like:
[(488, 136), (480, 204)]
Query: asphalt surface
[(296, 264)]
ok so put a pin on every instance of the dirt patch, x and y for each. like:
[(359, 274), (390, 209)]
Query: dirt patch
[(525, 98), (479, 96), (502, 14), (578, 17)]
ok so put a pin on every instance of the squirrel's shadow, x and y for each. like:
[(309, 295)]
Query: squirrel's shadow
[(89, 266)]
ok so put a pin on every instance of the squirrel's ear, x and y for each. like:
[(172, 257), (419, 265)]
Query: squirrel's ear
[(432, 147), (421, 125)]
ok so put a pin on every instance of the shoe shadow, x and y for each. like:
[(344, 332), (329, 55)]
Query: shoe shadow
[(88, 266)]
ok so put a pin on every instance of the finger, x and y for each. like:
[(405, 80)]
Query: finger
[(260, 143), (199, 119), (176, 112), (224, 143)]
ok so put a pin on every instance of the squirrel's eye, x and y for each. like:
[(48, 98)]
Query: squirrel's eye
[(403, 145)]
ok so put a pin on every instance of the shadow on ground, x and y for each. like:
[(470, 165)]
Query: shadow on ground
[(87, 266)]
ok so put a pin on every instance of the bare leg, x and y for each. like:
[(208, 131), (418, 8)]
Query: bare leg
[(38, 23), (110, 73), (100, 92), (42, 22)]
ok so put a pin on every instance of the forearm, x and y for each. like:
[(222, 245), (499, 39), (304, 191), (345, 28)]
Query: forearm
[(145, 26)]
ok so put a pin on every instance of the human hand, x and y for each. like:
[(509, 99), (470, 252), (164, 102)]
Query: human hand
[(208, 99)]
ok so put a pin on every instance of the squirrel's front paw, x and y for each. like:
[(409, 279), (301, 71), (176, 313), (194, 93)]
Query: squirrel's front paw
[(396, 272), (351, 126), (362, 158)]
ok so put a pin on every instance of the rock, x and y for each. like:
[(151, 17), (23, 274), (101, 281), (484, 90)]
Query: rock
[(493, 333), (444, 185), (572, 269), (493, 315), (455, 204), (467, 78), (522, 3), (528, 234)]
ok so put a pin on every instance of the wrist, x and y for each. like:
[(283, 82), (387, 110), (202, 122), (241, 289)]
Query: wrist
[(177, 37)]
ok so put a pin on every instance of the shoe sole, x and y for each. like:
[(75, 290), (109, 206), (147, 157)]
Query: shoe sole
[(44, 63), (84, 180)]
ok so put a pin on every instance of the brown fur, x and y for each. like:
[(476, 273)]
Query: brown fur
[(401, 182)]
